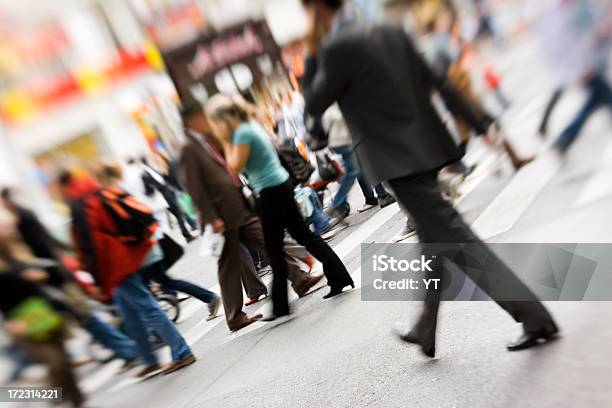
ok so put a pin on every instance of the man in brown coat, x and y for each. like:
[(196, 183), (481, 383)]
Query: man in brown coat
[(217, 195)]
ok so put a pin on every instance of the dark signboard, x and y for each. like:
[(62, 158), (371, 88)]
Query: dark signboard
[(194, 66)]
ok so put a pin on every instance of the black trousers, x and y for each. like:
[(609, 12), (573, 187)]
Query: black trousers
[(278, 210), (438, 222), (158, 272)]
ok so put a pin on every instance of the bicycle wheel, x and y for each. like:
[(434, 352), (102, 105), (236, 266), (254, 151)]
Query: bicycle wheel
[(170, 305)]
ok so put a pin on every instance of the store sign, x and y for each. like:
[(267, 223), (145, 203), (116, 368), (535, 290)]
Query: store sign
[(199, 69), (224, 51)]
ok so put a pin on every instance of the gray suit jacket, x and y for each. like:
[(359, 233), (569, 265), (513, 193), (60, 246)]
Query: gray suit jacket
[(211, 187), (384, 88)]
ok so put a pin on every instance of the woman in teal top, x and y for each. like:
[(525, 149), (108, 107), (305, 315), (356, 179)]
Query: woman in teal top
[(248, 149)]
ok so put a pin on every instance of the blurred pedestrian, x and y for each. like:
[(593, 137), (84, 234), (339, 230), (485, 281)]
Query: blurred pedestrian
[(248, 149), (404, 142), (36, 326), (112, 232), (57, 279), (217, 194), (42, 243), (493, 81), (134, 181), (340, 143), (575, 37), (155, 182)]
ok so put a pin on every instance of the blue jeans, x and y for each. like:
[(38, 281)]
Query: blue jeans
[(111, 338), (350, 174), (140, 312), (366, 189), (158, 273), (600, 94), (319, 219)]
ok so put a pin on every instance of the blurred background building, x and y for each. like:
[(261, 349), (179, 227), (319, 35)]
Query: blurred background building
[(86, 79)]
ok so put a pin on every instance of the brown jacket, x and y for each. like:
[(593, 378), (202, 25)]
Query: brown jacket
[(210, 185)]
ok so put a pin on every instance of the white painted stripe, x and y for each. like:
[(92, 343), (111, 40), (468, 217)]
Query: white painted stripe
[(486, 166), (513, 201), (101, 377), (598, 186)]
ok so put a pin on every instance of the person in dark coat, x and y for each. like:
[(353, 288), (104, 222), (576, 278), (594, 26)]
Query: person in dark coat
[(383, 88)]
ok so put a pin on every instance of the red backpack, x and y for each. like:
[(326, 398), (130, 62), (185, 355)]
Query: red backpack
[(134, 221)]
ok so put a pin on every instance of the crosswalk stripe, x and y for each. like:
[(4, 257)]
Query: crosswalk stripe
[(513, 201), (599, 185)]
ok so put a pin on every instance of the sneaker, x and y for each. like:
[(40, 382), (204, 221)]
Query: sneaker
[(386, 201), (405, 233), (213, 308), (367, 206), (333, 222), (330, 233), (178, 364), (339, 213), (333, 230)]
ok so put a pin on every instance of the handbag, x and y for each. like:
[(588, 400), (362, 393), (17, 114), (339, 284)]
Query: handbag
[(212, 243), (327, 170)]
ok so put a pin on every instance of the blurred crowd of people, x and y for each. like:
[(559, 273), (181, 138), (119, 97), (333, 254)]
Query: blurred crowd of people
[(261, 178)]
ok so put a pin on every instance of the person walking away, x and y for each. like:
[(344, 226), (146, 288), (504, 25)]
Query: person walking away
[(575, 37), (381, 66), (247, 148)]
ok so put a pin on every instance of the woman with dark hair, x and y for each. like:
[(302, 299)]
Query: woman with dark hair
[(248, 149)]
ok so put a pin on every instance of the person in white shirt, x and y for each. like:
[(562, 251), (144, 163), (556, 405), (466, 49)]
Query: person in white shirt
[(133, 183)]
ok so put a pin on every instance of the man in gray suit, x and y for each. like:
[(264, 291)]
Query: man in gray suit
[(383, 88)]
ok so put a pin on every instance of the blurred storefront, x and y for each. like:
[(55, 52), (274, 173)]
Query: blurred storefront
[(78, 85), (87, 80), (243, 59)]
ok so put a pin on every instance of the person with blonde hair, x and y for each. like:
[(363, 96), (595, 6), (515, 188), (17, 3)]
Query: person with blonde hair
[(248, 150)]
